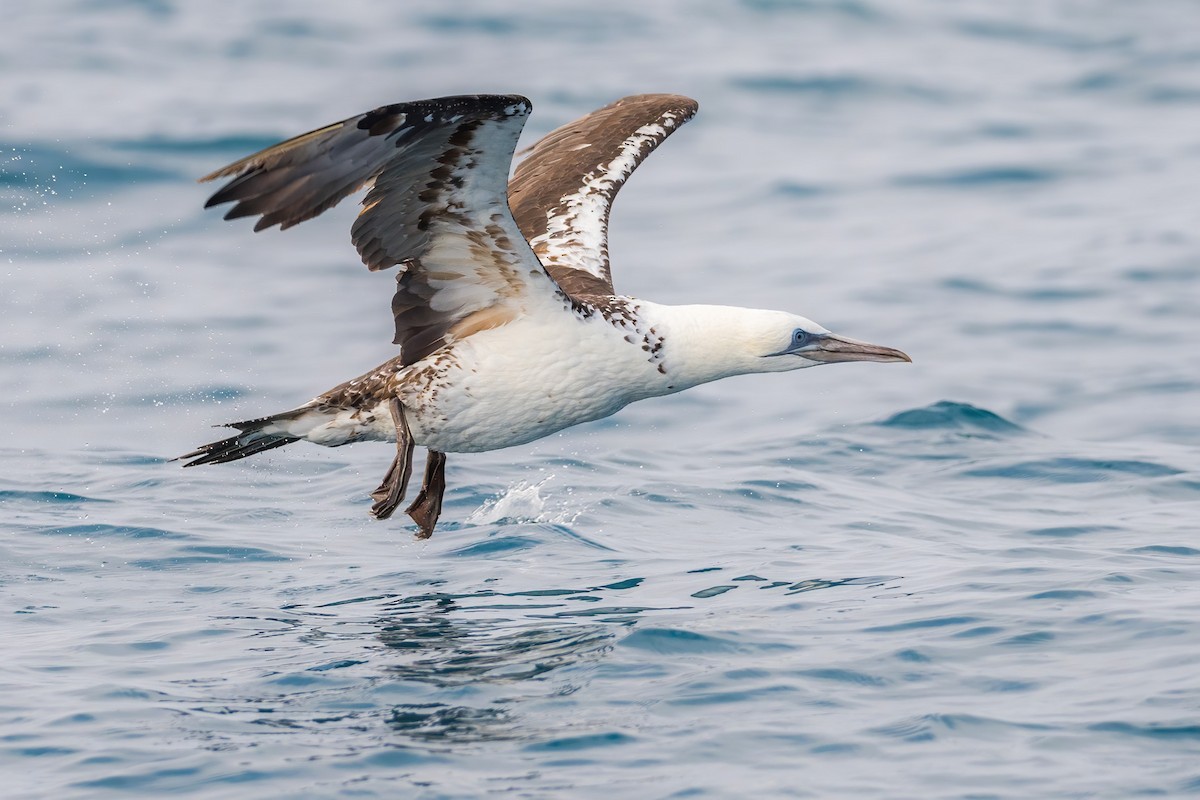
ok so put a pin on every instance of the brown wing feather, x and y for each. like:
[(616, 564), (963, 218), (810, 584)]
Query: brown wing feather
[(562, 193), (438, 172)]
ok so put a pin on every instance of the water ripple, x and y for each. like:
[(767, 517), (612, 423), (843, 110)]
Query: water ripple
[(948, 415), (1073, 470), (122, 531), (47, 497), (981, 177), (839, 86)]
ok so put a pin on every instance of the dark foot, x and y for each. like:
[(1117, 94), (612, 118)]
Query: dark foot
[(428, 505), (391, 492)]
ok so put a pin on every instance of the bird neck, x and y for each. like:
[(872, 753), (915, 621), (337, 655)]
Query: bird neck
[(704, 343)]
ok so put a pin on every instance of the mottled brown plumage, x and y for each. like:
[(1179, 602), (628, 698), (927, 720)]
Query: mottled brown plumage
[(437, 205), (603, 149)]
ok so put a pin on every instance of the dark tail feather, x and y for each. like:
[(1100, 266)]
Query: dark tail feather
[(251, 440)]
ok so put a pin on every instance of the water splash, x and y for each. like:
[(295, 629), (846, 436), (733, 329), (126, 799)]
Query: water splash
[(523, 502)]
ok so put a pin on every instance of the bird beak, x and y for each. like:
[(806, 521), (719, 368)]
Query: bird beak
[(830, 348)]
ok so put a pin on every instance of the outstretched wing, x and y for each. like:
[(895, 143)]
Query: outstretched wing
[(437, 206), (562, 193)]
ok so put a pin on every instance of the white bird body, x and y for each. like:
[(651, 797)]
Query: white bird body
[(506, 317), (542, 373), (485, 392)]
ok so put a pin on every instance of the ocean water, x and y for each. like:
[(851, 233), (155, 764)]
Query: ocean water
[(976, 576)]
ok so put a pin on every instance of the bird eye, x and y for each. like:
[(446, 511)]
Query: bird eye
[(800, 337)]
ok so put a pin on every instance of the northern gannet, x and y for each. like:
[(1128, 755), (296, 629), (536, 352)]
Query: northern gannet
[(508, 324)]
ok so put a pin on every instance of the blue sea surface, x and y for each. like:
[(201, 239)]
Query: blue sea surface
[(976, 576)]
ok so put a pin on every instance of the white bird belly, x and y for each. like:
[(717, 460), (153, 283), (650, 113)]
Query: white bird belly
[(523, 381)]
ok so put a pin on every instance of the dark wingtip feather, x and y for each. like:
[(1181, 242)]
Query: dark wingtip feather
[(234, 448), (239, 211)]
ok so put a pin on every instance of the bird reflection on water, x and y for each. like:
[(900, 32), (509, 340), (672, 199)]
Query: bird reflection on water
[(470, 667), (522, 647)]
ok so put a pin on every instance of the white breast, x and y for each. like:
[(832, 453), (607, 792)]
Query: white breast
[(525, 380)]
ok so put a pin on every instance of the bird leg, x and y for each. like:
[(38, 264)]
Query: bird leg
[(428, 505), (391, 491)]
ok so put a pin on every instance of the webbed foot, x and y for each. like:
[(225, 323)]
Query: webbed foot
[(389, 494), (426, 509)]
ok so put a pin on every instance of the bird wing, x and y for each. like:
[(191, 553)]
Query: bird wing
[(437, 206), (562, 193)]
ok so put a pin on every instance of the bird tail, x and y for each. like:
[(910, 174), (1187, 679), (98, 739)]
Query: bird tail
[(256, 436)]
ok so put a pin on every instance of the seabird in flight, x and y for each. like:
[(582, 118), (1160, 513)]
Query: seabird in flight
[(508, 324)]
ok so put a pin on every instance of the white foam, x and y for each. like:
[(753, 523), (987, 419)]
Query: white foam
[(523, 502)]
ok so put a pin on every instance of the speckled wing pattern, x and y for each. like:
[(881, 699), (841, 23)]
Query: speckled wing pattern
[(561, 194), (437, 206)]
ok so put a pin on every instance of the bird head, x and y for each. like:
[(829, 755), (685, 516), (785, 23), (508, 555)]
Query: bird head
[(785, 342), (706, 343)]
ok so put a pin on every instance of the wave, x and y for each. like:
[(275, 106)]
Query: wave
[(948, 415)]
